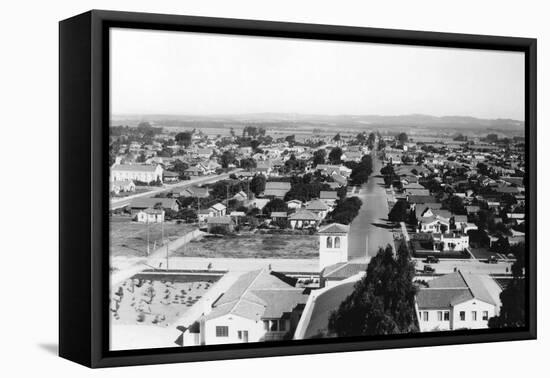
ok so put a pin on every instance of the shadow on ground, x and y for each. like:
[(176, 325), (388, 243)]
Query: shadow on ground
[(51, 348)]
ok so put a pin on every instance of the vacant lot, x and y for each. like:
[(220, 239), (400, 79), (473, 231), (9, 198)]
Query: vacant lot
[(254, 246), (129, 238)]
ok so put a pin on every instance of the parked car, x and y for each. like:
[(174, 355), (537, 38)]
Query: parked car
[(492, 260), (428, 269), (431, 260)]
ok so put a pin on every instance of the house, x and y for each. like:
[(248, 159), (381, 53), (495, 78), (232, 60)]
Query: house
[(122, 186), (457, 301), (196, 170), (329, 197), (279, 216), (450, 241), (218, 209), (318, 207), (303, 219), (204, 153), (294, 204), (137, 172), (431, 220), (240, 197), (169, 176), (264, 167), (140, 204), (260, 306), (352, 156), (276, 189), (192, 191), (150, 216), (220, 222)]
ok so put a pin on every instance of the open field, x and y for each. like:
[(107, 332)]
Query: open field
[(129, 238), (253, 246)]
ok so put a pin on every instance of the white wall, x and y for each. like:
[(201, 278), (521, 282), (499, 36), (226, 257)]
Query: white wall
[(234, 323), (468, 307), (330, 256), (29, 36)]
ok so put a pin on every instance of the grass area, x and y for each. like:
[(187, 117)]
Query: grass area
[(129, 238), (282, 246)]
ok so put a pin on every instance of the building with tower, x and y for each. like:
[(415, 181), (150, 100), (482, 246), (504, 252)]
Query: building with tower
[(333, 245)]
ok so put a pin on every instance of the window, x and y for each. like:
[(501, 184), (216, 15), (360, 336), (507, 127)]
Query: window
[(440, 316), (485, 315), (282, 325), (462, 315), (474, 315), (243, 335), (222, 331), (329, 242), (274, 326), (426, 316), (337, 242), (446, 315), (266, 325)]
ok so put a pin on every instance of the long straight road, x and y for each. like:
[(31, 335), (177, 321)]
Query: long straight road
[(118, 203), (370, 229)]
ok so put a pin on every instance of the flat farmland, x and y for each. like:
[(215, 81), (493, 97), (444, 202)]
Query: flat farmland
[(128, 238), (260, 246)]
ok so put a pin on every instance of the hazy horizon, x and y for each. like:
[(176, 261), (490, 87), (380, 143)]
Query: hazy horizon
[(192, 74)]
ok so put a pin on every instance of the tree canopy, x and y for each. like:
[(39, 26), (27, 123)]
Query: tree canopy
[(382, 302)]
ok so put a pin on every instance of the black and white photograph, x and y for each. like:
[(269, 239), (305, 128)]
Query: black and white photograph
[(267, 190)]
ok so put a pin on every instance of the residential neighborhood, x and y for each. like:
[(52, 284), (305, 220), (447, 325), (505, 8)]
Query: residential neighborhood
[(249, 235)]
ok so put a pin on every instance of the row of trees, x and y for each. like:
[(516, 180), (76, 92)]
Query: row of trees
[(346, 210)]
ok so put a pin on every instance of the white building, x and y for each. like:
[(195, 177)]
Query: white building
[(260, 306), (137, 172), (457, 301), (333, 245), (150, 216)]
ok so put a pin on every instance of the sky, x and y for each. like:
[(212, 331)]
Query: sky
[(159, 72)]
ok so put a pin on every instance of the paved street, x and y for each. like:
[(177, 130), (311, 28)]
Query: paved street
[(370, 225), (121, 202)]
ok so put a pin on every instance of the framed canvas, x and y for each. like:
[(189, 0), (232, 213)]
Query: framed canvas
[(236, 188)]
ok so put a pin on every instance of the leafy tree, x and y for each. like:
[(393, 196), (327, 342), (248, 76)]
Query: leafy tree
[(337, 137), (275, 204), (290, 139), (402, 138), (455, 205), (141, 158), (319, 157), (382, 302), (227, 158), (335, 156), (184, 138), (345, 210), (399, 212), (180, 167), (248, 163), (360, 173), (512, 310), (257, 184)]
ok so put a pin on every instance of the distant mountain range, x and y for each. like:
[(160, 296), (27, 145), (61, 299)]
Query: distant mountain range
[(352, 121)]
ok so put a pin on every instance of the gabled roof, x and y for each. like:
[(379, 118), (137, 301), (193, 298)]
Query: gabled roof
[(258, 295), (328, 194), (334, 228), (451, 289), (218, 206), (304, 215), (317, 205), (144, 203)]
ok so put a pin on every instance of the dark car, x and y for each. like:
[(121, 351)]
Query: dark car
[(428, 269), (492, 260), (431, 260)]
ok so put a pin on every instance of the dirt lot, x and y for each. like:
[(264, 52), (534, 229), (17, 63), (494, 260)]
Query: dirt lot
[(254, 246), (130, 238), (154, 302)]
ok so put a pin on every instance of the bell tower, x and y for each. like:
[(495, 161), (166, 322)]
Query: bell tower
[(333, 245)]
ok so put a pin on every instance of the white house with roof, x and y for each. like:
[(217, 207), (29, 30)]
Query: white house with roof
[(136, 172), (457, 301), (260, 306)]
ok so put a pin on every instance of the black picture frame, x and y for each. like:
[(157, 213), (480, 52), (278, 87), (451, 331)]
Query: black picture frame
[(83, 180)]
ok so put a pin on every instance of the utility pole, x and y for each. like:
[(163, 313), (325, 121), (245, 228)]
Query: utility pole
[(166, 256), (147, 226)]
